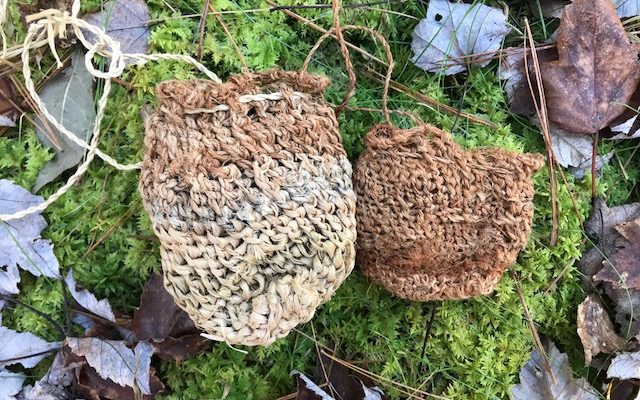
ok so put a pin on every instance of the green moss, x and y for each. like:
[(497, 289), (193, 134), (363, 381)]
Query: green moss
[(475, 347)]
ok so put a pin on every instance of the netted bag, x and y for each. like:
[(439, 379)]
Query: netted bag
[(249, 191), (436, 221)]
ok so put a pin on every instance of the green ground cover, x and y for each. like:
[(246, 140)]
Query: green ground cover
[(474, 349)]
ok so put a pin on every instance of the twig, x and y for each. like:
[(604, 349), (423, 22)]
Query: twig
[(416, 120), (428, 101), (318, 28), (427, 333), (227, 32), (541, 111), (35, 311), (40, 353), (322, 6), (201, 27), (594, 155), (401, 387), (531, 324), (324, 370)]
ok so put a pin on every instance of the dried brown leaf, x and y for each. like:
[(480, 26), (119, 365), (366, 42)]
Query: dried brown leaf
[(167, 327), (8, 98), (622, 269), (598, 70), (596, 330)]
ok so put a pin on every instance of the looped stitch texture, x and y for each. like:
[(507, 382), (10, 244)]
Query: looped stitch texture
[(436, 221), (253, 204)]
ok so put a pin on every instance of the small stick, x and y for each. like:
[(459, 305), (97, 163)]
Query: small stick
[(201, 28), (429, 101), (35, 311), (541, 111), (594, 155), (532, 326), (321, 6), (427, 333), (227, 32), (320, 29)]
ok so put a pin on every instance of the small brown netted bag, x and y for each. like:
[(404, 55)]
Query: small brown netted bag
[(252, 201), (436, 221)]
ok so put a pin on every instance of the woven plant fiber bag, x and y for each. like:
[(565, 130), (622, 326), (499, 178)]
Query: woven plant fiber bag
[(436, 221), (252, 201)]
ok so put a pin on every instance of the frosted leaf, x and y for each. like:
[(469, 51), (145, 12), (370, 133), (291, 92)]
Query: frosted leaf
[(10, 383), (454, 34), (87, 300), (537, 382), (20, 241), (112, 359), (17, 348)]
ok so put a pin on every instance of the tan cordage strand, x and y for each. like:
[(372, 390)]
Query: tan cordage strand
[(253, 204), (436, 221)]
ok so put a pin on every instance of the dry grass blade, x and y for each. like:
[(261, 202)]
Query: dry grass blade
[(201, 27), (402, 388), (318, 28), (428, 101), (414, 118), (532, 327), (541, 111), (227, 32)]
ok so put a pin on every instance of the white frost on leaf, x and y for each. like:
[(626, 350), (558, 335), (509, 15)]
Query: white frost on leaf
[(18, 348), (454, 34), (625, 366), (537, 382), (112, 359), (20, 241), (10, 383), (87, 300)]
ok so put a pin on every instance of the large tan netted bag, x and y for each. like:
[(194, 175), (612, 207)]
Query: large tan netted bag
[(436, 221), (249, 190)]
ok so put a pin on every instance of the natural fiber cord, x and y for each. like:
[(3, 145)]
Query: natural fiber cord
[(253, 202), (436, 221)]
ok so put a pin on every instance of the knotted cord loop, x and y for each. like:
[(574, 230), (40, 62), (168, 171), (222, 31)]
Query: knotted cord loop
[(48, 25)]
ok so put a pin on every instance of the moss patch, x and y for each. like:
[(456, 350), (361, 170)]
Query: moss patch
[(475, 348)]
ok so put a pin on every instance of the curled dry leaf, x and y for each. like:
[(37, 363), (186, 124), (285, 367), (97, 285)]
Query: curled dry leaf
[(622, 268), (588, 87), (601, 228), (88, 301), (43, 391), (167, 327), (554, 8), (596, 330), (537, 382), (113, 360), (8, 100), (20, 241), (308, 390), (453, 35)]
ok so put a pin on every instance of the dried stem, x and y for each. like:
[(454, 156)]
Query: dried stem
[(322, 6), (227, 32), (541, 111)]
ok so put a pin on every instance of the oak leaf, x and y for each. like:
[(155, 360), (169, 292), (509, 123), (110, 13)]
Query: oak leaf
[(598, 70)]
